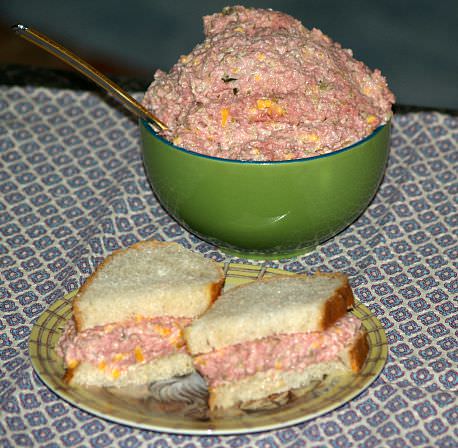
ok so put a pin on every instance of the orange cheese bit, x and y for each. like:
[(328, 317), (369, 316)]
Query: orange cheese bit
[(371, 119), (72, 364), (270, 106), (184, 59), (255, 151), (339, 331), (178, 341), (262, 103), (119, 357), (163, 331), (115, 373), (199, 361), (277, 109), (138, 354), (102, 365), (311, 137), (224, 116)]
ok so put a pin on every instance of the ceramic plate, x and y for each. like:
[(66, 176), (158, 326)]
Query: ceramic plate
[(179, 406)]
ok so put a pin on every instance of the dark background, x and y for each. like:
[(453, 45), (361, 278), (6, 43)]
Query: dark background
[(414, 43)]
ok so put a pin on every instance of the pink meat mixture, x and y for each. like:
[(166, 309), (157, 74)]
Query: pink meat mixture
[(279, 352), (117, 346), (263, 87)]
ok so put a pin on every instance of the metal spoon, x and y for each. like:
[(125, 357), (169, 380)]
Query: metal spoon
[(90, 72)]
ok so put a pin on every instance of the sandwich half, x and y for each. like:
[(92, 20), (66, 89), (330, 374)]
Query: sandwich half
[(271, 336), (129, 316)]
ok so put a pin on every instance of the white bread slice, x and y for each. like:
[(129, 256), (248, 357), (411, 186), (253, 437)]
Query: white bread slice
[(150, 278), (265, 384), (285, 304), (178, 364)]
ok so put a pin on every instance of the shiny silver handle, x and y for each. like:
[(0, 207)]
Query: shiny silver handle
[(90, 72)]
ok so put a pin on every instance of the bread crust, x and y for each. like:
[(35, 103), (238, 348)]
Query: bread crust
[(357, 353), (215, 290), (69, 373), (339, 303)]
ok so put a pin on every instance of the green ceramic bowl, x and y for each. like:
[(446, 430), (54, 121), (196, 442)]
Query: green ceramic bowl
[(265, 210)]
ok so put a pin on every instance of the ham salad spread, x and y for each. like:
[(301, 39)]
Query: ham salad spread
[(263, 87), (115, 347), (286, 352)]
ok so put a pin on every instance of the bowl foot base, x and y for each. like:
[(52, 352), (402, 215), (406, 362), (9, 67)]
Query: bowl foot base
[(260, 255)]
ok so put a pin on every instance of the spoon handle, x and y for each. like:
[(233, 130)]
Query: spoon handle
[(86, 69)]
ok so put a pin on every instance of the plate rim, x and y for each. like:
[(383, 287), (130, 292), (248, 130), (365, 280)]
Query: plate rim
[(247, 269)]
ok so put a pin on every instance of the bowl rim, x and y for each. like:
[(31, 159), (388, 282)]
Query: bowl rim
[(264, 162)]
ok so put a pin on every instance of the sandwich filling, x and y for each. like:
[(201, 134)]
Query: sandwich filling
[(285, 352), (263, 87), (115, 347)]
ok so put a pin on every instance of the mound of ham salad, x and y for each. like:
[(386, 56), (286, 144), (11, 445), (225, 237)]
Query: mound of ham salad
[(263, 87)]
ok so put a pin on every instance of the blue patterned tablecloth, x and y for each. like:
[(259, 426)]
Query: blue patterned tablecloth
[(73, 189)]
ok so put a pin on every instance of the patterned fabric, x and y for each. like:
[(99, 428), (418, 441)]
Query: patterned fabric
[(73, 189)]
